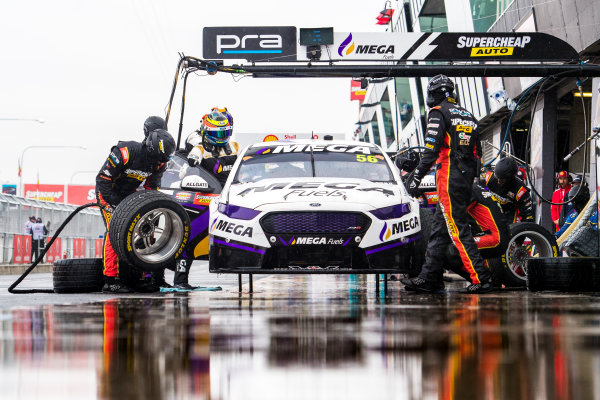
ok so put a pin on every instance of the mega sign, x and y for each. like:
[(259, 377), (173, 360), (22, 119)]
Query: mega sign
[(437, 46), (258, 43)]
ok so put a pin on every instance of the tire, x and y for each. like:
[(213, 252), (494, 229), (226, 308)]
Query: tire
[(149, 230), (418, 258), (527, 241), (77, 275), (580, 274)]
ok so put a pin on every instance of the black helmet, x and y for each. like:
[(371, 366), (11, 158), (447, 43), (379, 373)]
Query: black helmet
[(152, 123), (506, 168), (438, 88), (160, 145), (579, 196)]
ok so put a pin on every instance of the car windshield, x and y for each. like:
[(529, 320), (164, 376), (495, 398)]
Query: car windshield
[(307, 160)]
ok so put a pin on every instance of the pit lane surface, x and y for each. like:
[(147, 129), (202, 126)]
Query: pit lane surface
[(298, 337)]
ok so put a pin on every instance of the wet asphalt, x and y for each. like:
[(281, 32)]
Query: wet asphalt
[(298, 337)]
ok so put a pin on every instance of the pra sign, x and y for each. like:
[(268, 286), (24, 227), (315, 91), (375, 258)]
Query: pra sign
[(276, 43)]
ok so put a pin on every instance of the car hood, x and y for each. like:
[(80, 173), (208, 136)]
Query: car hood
[(324, 191)]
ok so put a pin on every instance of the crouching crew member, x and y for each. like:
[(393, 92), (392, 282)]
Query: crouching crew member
[(128, 165), (514, 196)]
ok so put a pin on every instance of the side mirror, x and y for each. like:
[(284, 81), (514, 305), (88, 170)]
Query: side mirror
[(196, 184)]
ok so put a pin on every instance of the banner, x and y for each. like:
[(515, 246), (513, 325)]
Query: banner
[(9, 189), (98, 247), (55, 193), (258, 43), (81, 194), (22, 249), (446, 46), (54, 253), (356, 93)]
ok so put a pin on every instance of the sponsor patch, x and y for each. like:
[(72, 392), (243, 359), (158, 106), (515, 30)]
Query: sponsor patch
[(430, 139), (429, 146), (433, 125), (125, 154), (183, 196), (203, 199)]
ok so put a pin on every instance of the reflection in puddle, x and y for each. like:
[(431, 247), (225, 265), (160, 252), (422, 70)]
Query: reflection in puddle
[(302, 337)]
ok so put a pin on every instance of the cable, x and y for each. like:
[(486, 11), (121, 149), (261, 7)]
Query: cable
[(530, 175), (510, 120), (12, 287)]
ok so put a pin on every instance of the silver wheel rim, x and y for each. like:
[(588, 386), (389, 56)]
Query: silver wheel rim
[(524, 246), (157, 235)]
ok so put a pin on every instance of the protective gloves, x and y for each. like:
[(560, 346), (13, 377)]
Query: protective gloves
[(412, 185)]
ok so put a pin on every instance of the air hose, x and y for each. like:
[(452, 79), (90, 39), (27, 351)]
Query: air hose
[(12, 287)]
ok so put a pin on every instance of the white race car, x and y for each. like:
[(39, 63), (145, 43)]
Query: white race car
[(316, 207)]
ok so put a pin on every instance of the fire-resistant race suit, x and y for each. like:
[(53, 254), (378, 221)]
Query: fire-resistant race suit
[(126, 167), (218, 160), (514, 197), (489, 227), (452, 142)]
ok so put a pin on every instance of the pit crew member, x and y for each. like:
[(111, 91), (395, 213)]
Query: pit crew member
[(452, 143), (513, 195), (127, 166)]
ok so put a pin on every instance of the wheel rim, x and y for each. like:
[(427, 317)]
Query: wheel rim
[(157, 235), (524, 246)]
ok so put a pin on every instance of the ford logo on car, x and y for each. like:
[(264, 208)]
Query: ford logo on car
[(315, 204)]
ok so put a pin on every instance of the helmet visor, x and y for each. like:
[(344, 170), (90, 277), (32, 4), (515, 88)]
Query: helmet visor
[(219, 132)]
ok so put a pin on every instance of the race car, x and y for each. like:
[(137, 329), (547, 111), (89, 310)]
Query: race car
[(316, 206)]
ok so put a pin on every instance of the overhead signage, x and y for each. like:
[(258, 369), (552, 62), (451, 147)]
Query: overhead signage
[(253, 43), (438, 46)]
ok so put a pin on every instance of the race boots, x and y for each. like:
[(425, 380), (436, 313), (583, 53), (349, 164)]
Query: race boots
[(112, 284), (182, 271), (420, 285), (158, 280), (478, 288)]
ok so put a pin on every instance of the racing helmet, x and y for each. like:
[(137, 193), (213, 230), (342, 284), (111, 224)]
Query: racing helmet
[(506, 168), (216, 128), (160, 145), (438, 88), (579, 196), (153, 122)]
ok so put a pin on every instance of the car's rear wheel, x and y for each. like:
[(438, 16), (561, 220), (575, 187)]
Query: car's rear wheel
[(527, 240), (149, 230)]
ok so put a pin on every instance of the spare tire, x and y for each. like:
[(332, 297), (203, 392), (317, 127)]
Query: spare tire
[(581, 274), (77, 275), (149, 230), (527, 240)]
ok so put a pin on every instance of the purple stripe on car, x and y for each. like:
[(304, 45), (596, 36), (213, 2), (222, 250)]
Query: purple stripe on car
[(347, 241), (239, 246), (390, 246)]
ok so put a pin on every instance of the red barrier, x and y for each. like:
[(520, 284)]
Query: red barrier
[(22, 249), (98, 247), (54, 253), (78, 248)]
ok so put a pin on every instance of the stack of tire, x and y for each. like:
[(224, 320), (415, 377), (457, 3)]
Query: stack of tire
[(567, 274)]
